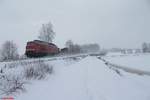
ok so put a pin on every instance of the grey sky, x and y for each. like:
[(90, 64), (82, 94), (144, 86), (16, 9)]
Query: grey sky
[(111, 23)]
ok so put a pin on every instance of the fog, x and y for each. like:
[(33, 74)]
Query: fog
[(110, 23)]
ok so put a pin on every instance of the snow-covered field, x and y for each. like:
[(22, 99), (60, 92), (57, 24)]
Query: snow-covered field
[(133, 61), (89, 78)]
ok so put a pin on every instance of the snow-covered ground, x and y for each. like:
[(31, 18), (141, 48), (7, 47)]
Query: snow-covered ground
[(140, 61), (90, 78)]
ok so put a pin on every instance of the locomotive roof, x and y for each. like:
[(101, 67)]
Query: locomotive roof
[(42, 42)]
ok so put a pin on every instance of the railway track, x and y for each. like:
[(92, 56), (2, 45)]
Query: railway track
[(44, 59)]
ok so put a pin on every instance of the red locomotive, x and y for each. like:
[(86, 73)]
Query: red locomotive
[(39, 48)]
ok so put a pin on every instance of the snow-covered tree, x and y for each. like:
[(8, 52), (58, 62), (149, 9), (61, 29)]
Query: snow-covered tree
[(46, 32), (9, 51)]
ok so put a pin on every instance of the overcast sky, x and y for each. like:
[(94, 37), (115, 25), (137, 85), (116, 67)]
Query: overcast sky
[(111, 23)]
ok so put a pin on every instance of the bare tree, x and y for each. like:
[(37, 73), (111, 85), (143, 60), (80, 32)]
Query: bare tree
[(69, 43), (145, 47), (72, 48), (9, 51), (46, 32)]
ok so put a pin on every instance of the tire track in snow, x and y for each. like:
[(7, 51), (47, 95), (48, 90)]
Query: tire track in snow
[(124, 68), (89, 89)]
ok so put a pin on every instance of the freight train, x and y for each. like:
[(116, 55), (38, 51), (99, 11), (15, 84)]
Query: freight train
[(39, 48)]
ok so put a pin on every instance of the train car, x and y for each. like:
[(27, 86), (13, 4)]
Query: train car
[(64, 50), (39, 48)]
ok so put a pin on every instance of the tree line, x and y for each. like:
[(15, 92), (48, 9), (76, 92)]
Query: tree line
[(9, 50), (77, 48)]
